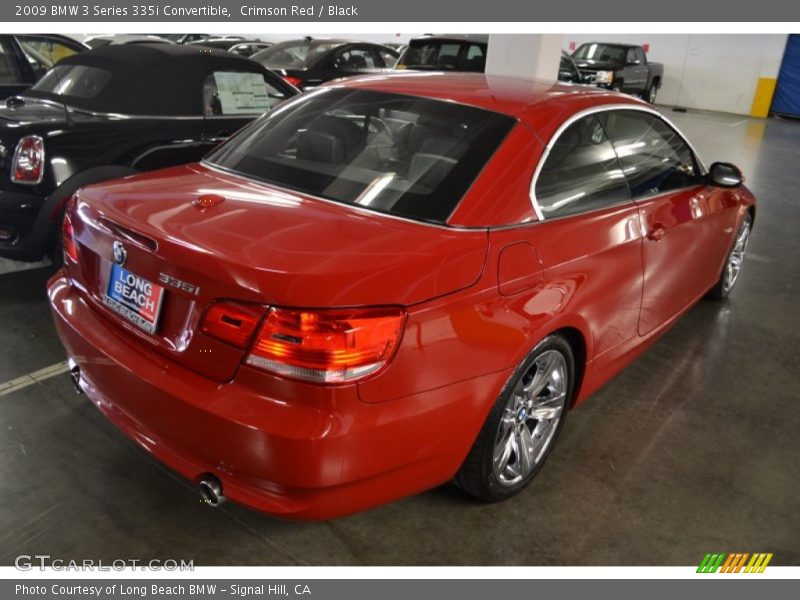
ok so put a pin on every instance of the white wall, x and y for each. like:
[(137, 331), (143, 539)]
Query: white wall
[(710, 72)]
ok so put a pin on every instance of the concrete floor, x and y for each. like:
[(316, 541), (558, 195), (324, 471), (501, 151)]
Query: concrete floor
[(694, 448)]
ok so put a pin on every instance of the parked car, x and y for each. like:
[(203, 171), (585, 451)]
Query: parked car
[(389, 285), (309, 62), (240, 47), (446, 53), (98, 41), (112, 112), (620, 67), (25, 58), (568, 71)]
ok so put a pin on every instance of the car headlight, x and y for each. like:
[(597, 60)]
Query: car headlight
[(604, 77)]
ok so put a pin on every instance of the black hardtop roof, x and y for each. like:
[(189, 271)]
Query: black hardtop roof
[(152, 79), (152, 55)]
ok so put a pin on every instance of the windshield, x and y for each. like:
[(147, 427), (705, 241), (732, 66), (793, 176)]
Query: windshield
[(292, 55), (600, 53), (402, 155), (75, 81)]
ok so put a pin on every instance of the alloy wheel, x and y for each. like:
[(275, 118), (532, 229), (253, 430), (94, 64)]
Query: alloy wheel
[(734, 265), (530, 418)]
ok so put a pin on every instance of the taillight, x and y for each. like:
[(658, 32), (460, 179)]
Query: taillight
[(295, 81), (327, 346), (68, 238), (231, 322), (27, 167)]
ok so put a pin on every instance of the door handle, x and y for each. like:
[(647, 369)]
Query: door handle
[(657, 232)]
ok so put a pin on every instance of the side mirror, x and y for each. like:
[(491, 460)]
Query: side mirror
[(725, 175)]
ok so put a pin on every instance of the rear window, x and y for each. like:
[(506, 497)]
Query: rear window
[(396, 154), (76, 81)]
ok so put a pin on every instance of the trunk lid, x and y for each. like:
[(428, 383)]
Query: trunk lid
[(261, 244)]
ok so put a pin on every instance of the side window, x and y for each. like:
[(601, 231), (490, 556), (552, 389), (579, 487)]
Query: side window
[(654, 158), (8, 68), (356, 59), (581, 172), (43, 52), (640, 56), (631, 57), (448, 56), (238, 93), (388, 58), (475, 59)]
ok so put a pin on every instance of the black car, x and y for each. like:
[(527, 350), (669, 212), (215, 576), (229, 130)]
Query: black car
[(240, 47), (24, 59), (112, 112), (307, 63), (568, 71), (446, 53)]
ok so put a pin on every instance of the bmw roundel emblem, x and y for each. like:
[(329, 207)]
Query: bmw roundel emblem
[(120, 254)]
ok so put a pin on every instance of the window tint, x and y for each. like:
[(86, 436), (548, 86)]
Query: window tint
[(402, 155), (356, 59), (631, 59), (640, 56), (43, 52), (653, 156), (581, 172), (592, 53), (238, 93), (73, 81), (432, 55), (475, 59), (8, 70)]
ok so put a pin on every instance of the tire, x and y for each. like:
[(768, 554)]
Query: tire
[(733, 263), (496, 468), (55, 249), (649, 95)]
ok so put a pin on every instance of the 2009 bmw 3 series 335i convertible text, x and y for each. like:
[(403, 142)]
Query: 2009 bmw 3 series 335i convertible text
[(390, 283)]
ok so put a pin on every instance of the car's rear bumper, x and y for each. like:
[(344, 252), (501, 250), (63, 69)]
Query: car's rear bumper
[(297, 458)]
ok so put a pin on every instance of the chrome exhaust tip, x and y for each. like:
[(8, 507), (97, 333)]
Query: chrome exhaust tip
[(210, 488), (75, 375)]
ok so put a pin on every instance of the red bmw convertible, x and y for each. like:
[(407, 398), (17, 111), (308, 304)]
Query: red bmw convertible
[(390, 283)]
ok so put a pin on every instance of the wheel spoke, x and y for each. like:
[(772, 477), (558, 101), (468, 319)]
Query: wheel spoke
[(506, 450), (526, 448), (549, 408)]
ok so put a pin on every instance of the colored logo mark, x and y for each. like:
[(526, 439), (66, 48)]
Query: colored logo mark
[(735, 562)]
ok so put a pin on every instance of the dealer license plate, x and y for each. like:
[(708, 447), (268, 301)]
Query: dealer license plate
[(134, 297)]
